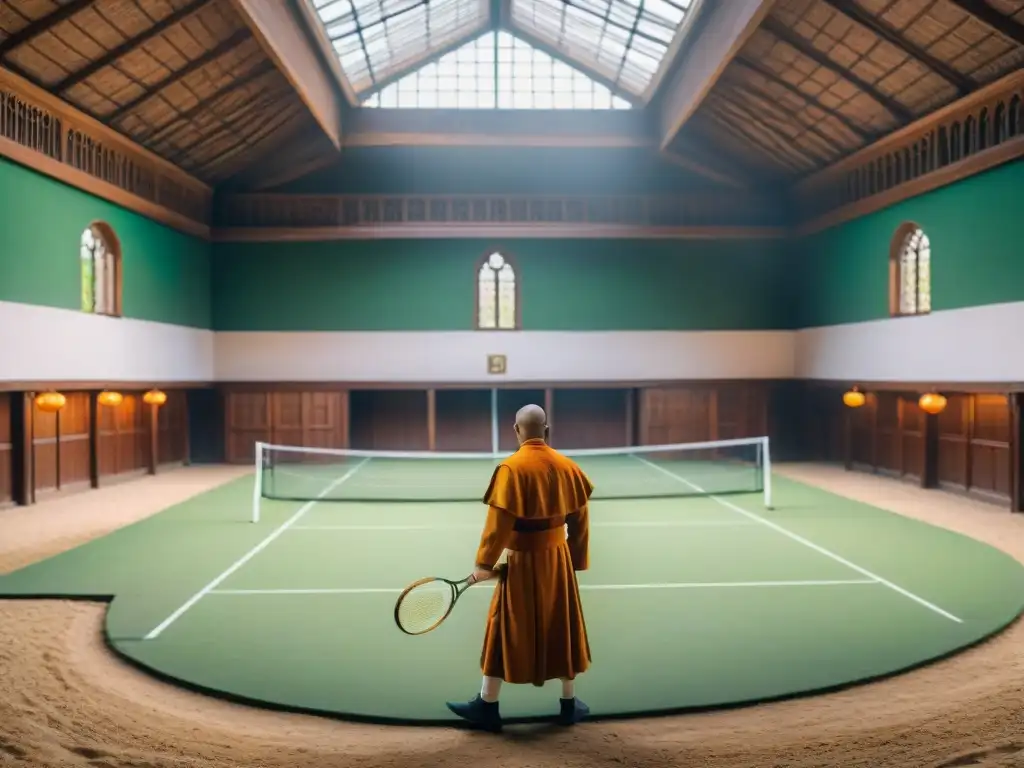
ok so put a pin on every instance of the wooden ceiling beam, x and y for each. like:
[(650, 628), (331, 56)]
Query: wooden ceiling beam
[(767, 74), (195, 65), (282, 34), (964, 85), (805, 48), (990, 17), (130, 45), (156, 133), (716, 41), (44, 24)]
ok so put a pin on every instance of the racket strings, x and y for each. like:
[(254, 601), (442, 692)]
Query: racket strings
[(424, 606)]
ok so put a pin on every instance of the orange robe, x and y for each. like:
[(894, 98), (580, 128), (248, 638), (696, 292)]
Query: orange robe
[(535, 628)]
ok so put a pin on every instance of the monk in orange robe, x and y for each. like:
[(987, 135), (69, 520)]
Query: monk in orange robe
[(537, 516)]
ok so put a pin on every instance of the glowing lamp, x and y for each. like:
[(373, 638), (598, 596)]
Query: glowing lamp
[(155, 397), (932, 403), (50, 402), (854, 398), (111, 399)]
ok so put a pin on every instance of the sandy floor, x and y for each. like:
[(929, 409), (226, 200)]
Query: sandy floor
[(64, 700)]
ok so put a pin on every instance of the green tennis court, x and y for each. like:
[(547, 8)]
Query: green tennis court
[(693, 601)]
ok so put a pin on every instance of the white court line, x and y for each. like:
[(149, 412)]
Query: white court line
[(583, 587), (477, 526), (807, 543), (155, 632)]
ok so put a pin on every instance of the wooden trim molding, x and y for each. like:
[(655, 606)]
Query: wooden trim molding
[(43, 133), (268, 217), (504, 231), (974, 134)]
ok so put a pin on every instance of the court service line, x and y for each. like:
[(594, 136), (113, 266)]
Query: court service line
[(729, 523), (583, 587), (807, 543), (156, 631)]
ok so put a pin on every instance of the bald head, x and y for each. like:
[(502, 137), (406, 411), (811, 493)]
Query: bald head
[(531, 423)]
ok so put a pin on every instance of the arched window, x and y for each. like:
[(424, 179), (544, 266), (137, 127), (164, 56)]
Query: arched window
[(496, 294), (100, 255), (910, 274)]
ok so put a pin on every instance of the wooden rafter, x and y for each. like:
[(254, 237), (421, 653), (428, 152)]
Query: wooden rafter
[(767, 74), (805, 48), (156, 133), (989, 16), (195, 65), (964, 85), (44, 24), (130, 45), (721, 36), (282, 35)]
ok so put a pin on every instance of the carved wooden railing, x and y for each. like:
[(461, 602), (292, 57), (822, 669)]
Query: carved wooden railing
[(397, 211), (987, 123), (40, 130)]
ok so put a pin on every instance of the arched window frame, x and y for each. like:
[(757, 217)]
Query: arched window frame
[(481, 264), (100, 266), (901, 241)]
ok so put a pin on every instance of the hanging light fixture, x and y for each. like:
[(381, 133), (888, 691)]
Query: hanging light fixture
[(932, 403), (854, 398), (50, 402), (110, 399), (155, 397)]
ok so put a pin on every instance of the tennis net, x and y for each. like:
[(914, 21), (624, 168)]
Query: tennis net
[(297, 473)]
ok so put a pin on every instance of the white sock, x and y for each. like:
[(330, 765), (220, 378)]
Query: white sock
[(490, 689), (568, 689)]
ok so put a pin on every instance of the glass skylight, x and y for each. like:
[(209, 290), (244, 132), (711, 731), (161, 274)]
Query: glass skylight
[(625, 41), (377, 39), (497, 71)]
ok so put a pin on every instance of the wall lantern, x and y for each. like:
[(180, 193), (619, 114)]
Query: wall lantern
[(854, 398), (932, 403), (110, 399), (50, 402), (155, 397)]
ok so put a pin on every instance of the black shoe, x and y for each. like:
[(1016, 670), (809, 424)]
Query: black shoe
[(572, 711), (482, 714)]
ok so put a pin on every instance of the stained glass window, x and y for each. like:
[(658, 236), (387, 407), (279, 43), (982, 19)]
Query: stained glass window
[(914, 274), (497, 71), (496, 294), (99, 274)]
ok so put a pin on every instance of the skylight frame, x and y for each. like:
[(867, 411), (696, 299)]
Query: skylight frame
[(629, 43), (497, 70)]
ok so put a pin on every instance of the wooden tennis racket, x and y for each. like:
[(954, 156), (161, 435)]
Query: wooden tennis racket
[(426, 603)]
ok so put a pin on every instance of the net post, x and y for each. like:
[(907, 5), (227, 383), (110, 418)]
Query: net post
[(494, 421), (257, 485), (766, 472)]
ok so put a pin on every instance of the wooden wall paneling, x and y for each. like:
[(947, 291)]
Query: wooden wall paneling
[(389, 420), (6, 451), (248, 420), (863, 453), (592, 418), (123, 438), (45, 428), (151, 415), (549, 409), (675, 415), (463, 419), (510, 401), (431, 419), (94, 440), (916, 447), (172, 429), (74, 458), (323, 419), (631, 420), (1017, 454), (991, 454), (953, 444)]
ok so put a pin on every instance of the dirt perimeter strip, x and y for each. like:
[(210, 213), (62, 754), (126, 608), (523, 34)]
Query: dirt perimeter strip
[(66, 701)]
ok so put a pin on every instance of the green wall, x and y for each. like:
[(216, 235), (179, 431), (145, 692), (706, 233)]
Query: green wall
[(976, 229), (166, 274), (565, 285)]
